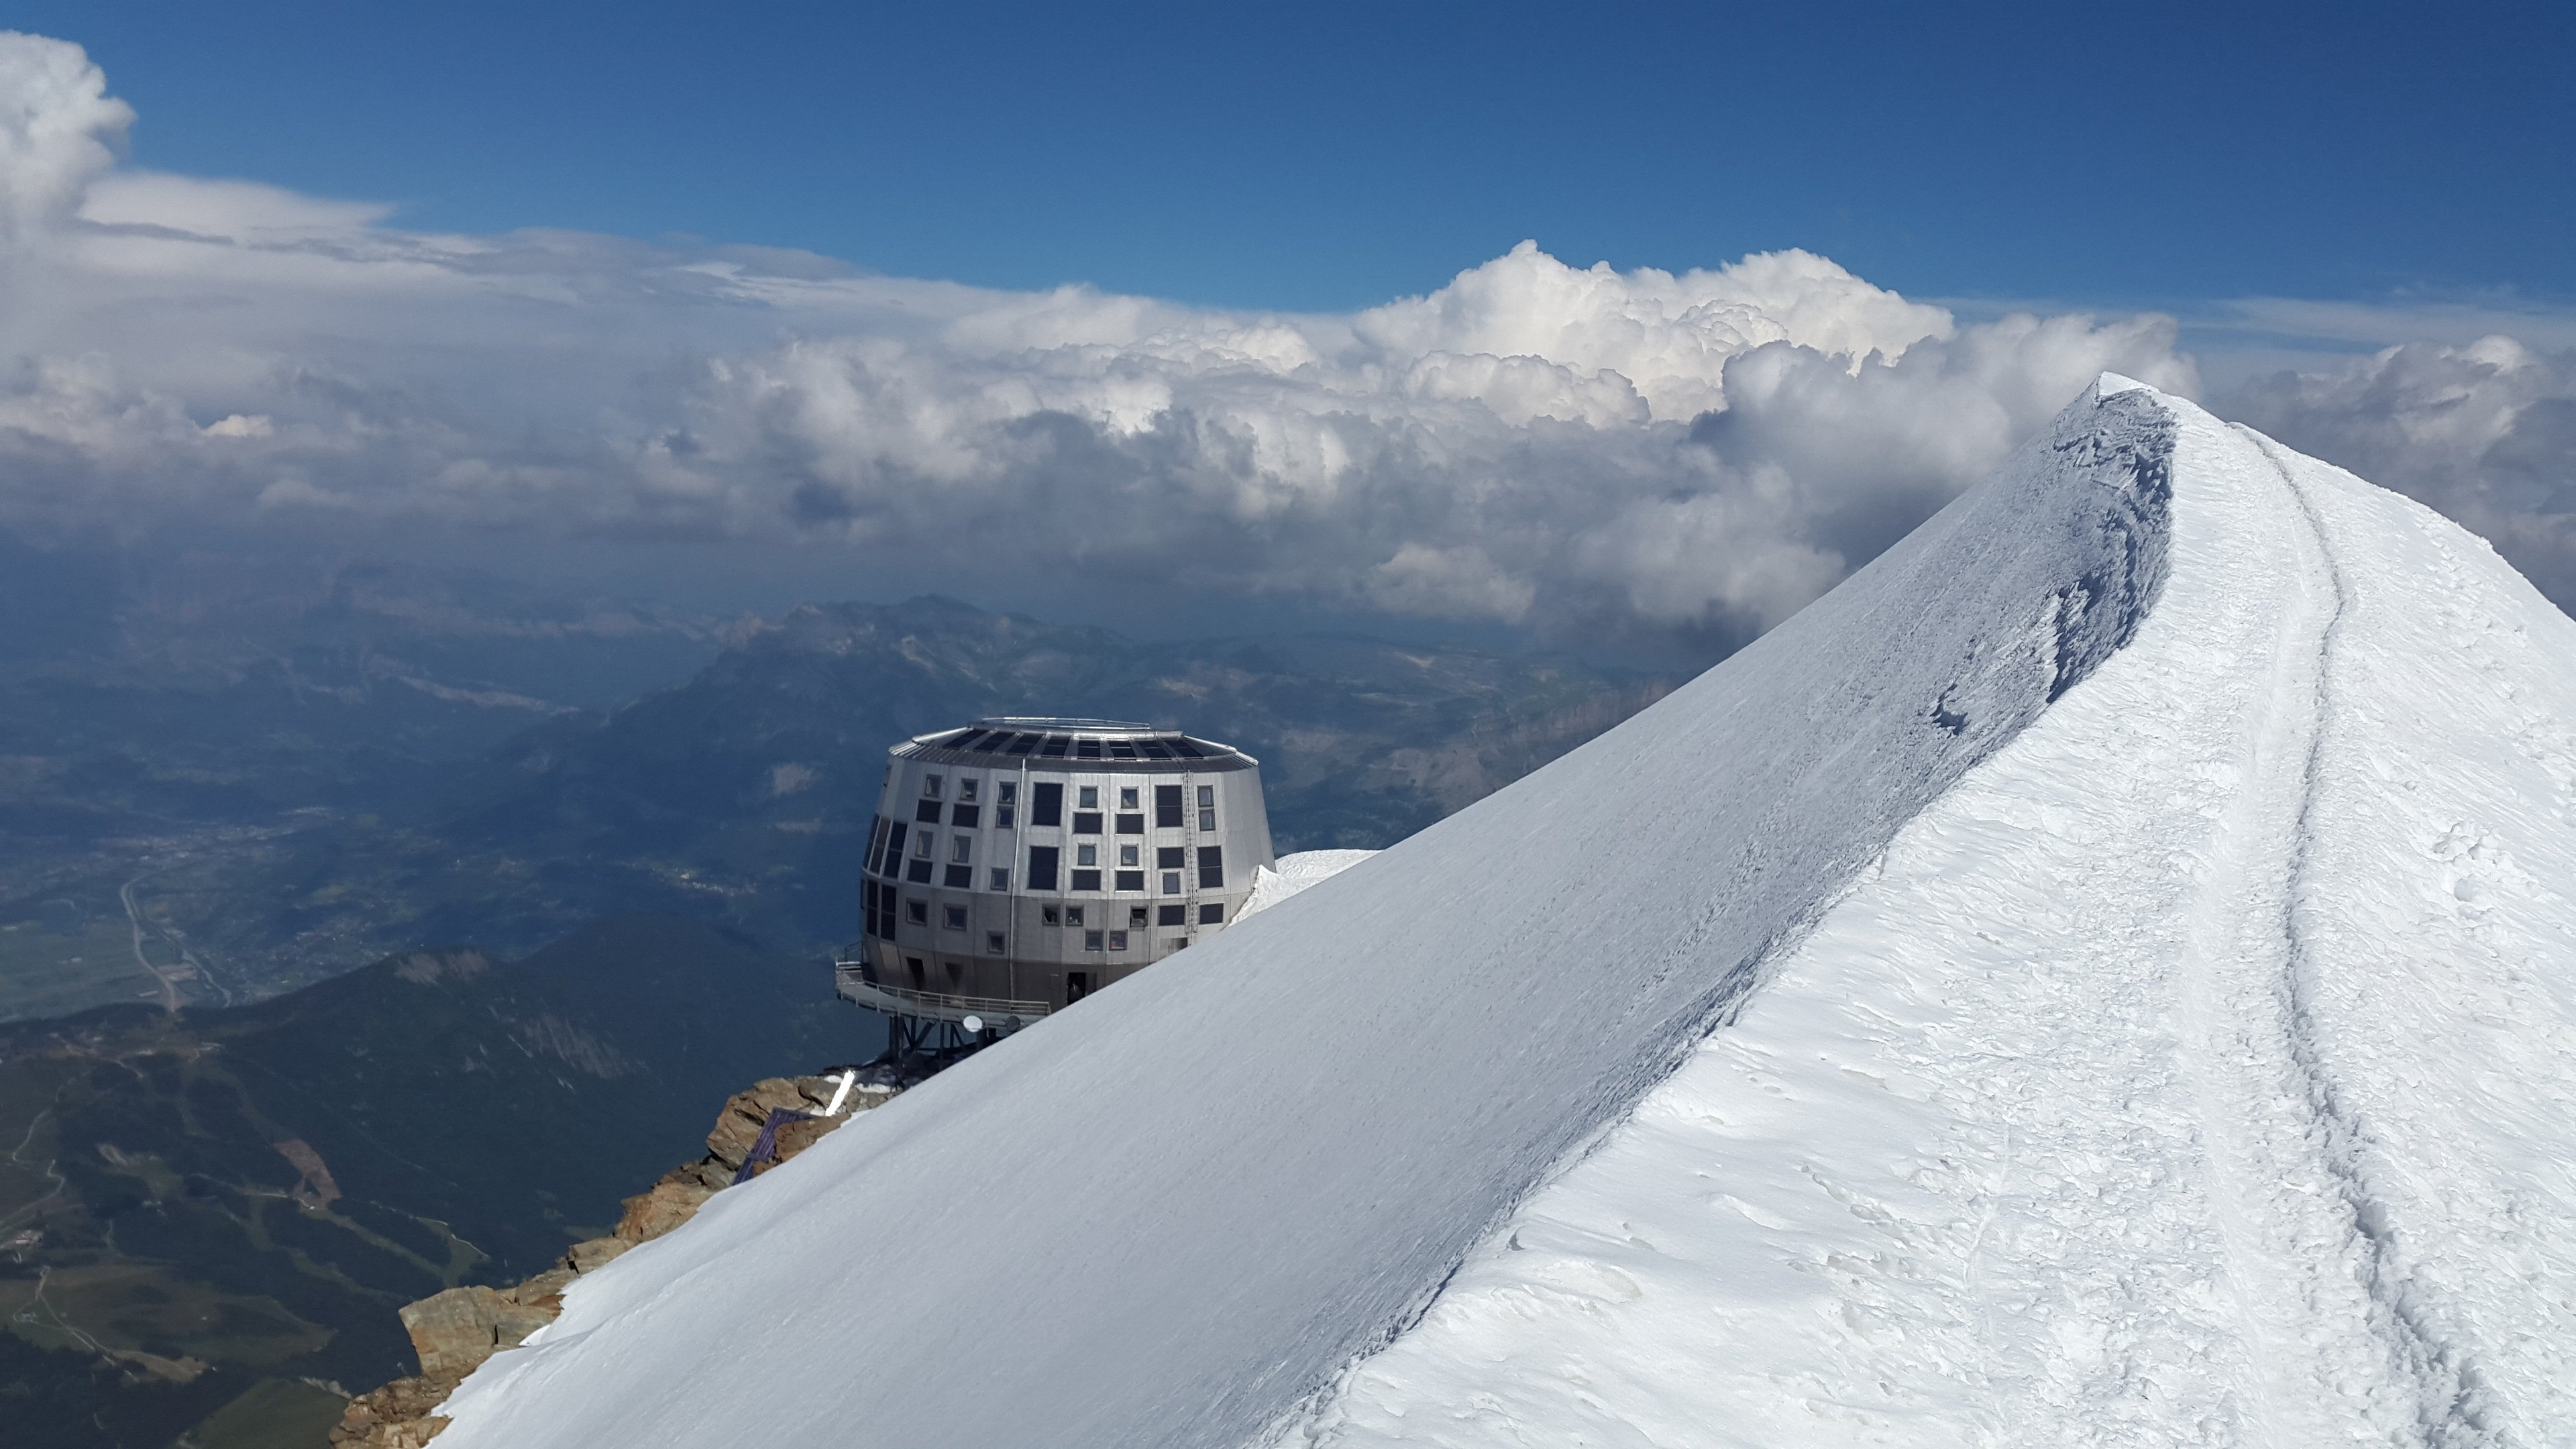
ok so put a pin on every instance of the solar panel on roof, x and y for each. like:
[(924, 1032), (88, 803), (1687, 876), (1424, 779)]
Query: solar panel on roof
[(1085, 749), (1025, 743), (1121, 750), (1152, 750), (993, 741), (1055, 747), (961, 739), (1186, 750)]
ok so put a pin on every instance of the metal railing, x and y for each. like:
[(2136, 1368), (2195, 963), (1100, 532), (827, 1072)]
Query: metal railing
[(997, 1011)]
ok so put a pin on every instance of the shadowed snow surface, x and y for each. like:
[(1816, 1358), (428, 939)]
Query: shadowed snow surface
[(2198, 1070), (1174, 1213)]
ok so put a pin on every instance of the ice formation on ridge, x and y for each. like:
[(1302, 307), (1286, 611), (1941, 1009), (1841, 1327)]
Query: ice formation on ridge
[(2088, 1067)]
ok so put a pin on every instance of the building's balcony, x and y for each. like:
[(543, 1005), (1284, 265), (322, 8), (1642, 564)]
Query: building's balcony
[(997, 1012)]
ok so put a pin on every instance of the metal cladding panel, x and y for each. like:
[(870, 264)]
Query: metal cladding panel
[(1045, 935)]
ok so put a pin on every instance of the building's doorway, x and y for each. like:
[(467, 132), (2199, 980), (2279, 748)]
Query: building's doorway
[(1077, 985)]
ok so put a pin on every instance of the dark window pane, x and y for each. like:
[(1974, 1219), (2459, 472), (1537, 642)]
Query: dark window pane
[(926, 812), (1168, 857), (967, 816), (956, 917), (1207, 820), (1167, 807), (1172, 916), (1212, 914), (1152, 750), (1118, 940), (1121, 750), (997, 879), (1054, 747), (1086, 749), (1091, 940), (1136, 917), (1086, 880), (918, 872), (960, 878), (1171, 882), (1186, 750), (1131, 880), (917, 912), (962, 739), (993, 943), (1073, 915), (1042, 867), (1211, 867), (1046, 804), (1024, 744), (1002, 817), (1132, 824), (1086, 822)]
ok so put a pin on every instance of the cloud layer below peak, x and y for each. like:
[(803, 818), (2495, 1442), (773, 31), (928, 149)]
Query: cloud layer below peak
[(1535, 444)]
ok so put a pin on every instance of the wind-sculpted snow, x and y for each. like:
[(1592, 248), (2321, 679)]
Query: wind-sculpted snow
[(2197, 1071), (1171, 1214)]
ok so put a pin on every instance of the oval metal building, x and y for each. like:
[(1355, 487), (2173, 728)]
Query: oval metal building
[(1017, 865)]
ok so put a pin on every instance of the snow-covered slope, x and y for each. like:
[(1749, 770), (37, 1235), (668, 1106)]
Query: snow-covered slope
[(2198, 1071), (1294, 873), (1174, 1212), (2153, 875)]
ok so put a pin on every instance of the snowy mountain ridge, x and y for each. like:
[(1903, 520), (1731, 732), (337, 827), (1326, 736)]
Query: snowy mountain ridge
[(2087, 1066)]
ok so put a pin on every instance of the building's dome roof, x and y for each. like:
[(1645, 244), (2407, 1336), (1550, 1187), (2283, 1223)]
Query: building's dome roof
[(1072, 744)]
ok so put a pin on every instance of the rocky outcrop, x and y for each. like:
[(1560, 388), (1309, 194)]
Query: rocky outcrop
[(455, 1331)]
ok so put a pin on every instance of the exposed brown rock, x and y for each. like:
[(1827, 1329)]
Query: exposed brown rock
[(455, 1331)]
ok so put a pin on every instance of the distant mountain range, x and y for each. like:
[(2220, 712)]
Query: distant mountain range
[(274, 789), (228, 1203)]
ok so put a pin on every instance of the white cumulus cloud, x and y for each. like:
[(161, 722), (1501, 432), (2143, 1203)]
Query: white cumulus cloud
[(1541, 445)]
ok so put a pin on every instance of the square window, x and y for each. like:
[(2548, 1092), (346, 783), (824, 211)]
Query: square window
[(1207, 797), (1212, 914), (1042, 860), (966, 790), (1127, 855), (1051, 915), (1211, 867), (1170, 857), (926, 812), (993, 943), (930, 786), (1006, 792), (961, 848), (965, 817), (1171, 882), (1073, 915), (959, 878), (917, 912), (1086, 822), (1118, 940), (1046, 804), (1086, 880), (1172, 916), (1127, 798), (955, 916), (997, 879), (1131, 880), (1207, 820), (1131, 824), (1002, 817), (1086, 855), (1136, 916), (1091, 940), (1090, 797), (919, 871)]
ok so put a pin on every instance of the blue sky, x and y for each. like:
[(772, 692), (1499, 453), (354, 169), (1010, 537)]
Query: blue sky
[(539, 289), (1330, 156)]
